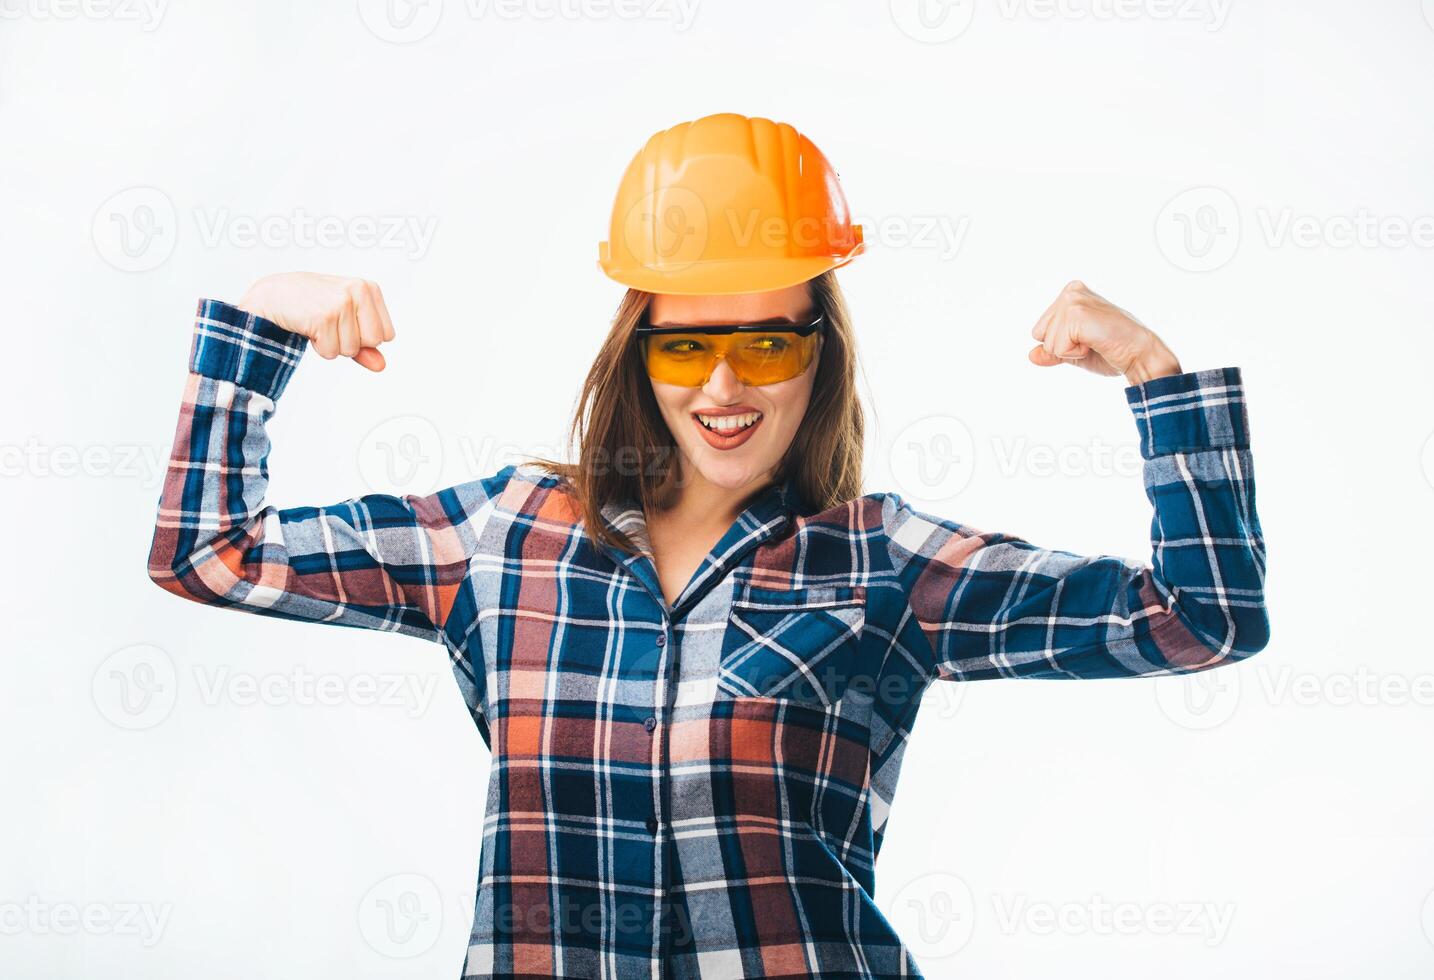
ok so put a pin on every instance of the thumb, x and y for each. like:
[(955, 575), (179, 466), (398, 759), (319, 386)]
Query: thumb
[(1038, 355), (371, 358)]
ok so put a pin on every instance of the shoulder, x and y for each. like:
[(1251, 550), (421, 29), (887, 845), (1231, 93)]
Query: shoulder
[(876, 514), (903, 527), (531, 490), (508, 488), (533, 474)]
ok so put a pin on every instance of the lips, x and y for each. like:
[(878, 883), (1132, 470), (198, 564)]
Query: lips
[(727, 428)]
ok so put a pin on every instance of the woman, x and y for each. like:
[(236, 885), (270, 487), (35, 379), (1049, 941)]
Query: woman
[(696, 652)]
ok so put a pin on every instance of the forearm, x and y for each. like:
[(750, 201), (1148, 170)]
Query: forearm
[(212, 503), (995, 605), (1208, 550)]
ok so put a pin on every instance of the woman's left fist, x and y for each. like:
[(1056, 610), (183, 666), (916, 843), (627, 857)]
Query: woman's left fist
[(1086, 330)]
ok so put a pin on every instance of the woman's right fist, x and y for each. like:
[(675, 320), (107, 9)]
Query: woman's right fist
[(339, 315)]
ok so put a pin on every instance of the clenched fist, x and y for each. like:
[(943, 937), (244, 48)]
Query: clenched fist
[(1086, 330), (338, 314)]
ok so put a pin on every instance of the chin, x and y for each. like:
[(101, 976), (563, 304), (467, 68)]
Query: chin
[(724, 471)]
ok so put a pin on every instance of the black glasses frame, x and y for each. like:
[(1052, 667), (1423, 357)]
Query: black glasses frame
[(818, 322)]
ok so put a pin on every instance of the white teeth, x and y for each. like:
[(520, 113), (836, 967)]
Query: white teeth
[(729, 423)]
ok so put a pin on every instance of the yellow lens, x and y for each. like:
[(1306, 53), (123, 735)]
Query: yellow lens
[(688, 359), (681, 358), (767, 358)]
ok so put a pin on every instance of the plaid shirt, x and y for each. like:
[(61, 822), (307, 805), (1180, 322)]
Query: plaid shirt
[(701, 789)]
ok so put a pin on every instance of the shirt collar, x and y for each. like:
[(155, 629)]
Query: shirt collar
[(782, 497)]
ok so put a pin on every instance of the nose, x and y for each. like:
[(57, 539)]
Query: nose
[(724, 386)]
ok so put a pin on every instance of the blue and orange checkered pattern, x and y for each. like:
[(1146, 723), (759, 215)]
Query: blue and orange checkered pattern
[(701, 788)]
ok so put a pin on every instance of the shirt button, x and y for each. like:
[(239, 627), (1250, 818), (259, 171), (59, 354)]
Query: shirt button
[(661, 639), (650, 724), (652, 825)]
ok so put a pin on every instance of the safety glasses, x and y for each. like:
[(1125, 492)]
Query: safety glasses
[(758, 353)]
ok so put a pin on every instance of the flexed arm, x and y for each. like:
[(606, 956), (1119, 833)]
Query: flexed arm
[(378, 561), (994, 605)]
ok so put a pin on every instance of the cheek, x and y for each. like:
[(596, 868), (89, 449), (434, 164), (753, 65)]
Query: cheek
[(789, 401), (791, 397), (670, 399)]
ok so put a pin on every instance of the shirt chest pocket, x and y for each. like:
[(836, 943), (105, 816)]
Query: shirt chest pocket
[(793, 644)]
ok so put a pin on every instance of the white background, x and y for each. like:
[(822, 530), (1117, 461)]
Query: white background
[(1273, 818)]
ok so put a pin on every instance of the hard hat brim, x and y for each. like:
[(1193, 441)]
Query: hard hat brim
[(722, 277)]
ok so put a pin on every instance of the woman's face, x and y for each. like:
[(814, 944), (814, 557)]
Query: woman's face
[(740, 457)]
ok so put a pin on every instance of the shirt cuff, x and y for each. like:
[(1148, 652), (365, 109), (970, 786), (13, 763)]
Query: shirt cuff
[(249, 350), (1184, 413)]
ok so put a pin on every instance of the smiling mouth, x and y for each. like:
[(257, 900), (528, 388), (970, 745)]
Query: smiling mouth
[(727, 424), (727, 430)]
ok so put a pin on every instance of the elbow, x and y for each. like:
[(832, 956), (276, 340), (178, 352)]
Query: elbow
[(1251, 632), (1211, 636), (162, 568), (168, 580), (1240, 634), (170, 583)]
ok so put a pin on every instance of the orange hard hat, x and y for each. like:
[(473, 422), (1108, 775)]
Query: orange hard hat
[(727, 204)]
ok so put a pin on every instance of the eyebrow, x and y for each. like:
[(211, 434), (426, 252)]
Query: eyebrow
[(770, 321)]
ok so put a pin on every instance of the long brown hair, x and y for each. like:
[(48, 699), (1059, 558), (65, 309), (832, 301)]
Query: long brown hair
[(625, 451)]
